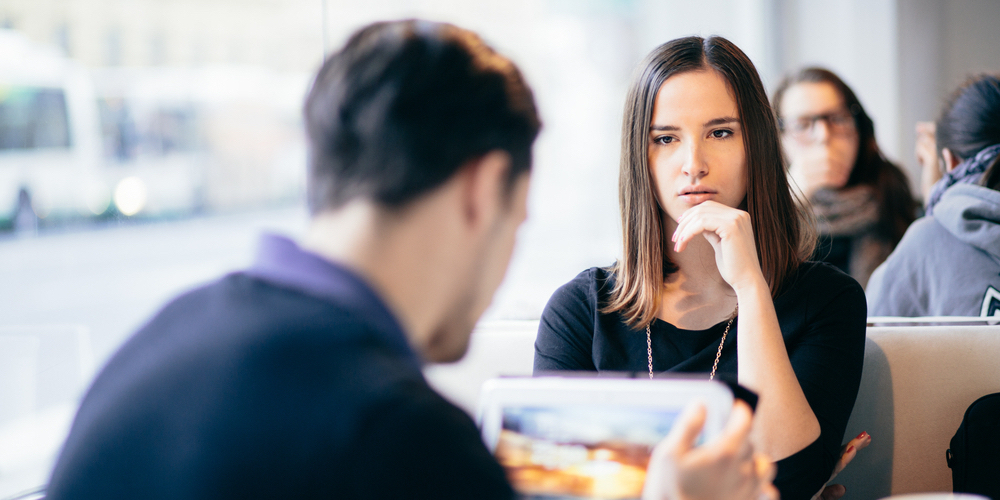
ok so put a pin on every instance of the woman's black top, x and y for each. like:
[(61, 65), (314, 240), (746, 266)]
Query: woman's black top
[(822, 314)]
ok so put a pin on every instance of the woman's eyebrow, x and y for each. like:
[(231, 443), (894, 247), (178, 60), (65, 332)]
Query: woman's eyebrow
[(711, 123), (722, 121)]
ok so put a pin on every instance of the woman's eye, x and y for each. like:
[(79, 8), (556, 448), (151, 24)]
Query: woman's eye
[(663, 139), (721, 134)]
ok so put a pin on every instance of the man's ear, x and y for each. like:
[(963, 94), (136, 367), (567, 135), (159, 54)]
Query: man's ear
[(484, 196), (950, 160)]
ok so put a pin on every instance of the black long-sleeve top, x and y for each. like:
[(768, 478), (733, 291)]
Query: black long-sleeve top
[(821, 312)]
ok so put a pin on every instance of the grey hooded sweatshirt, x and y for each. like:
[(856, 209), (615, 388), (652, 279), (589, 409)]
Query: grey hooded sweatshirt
[(947, 264)]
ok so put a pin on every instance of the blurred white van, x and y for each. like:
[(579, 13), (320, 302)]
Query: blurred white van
[(50, 150)]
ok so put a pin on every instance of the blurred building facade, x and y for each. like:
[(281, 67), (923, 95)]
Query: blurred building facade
[(281, 34)]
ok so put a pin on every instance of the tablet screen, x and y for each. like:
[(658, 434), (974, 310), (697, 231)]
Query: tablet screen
[(576, 438), (580, 451)]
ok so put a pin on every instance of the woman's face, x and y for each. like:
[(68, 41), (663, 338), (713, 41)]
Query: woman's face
[(696, 143), (819, 130)]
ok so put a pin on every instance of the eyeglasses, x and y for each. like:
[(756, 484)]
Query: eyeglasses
[(804, 127)]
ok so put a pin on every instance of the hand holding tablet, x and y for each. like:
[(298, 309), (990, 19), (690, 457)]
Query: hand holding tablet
[(723, 468), (575, 438)]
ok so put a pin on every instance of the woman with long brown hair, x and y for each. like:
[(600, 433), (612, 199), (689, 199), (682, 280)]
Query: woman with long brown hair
[(713, 276), (861, 200)]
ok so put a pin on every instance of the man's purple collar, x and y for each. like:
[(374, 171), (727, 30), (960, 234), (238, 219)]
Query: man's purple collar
[(281, 262)]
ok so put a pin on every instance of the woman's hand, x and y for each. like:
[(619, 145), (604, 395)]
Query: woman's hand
[(927, 157), (820, 166), (724, 469), (730, 233), (850, 450)]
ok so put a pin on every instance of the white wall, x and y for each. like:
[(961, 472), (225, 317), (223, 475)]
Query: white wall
[(921, 42), (857, 40)]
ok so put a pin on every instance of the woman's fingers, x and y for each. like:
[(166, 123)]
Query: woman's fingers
[(865, 440), (708, 217), (832, 492), (729, 232), (851, 450)]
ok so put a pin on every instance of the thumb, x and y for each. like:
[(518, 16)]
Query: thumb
[(686, 429), (738, 427)]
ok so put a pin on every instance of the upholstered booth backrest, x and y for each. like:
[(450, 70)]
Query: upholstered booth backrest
[(917, 383)]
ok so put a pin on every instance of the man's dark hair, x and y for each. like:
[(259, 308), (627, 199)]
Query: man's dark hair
[(404, 105)]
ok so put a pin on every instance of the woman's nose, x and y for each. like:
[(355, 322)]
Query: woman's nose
[(820, 130), (694, 165)]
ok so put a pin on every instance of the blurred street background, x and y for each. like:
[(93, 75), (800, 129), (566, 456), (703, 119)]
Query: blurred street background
[(143, 143)]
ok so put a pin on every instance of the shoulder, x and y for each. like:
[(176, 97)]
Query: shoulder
[(238, 295), (924, 229), (818, 290), (567, 327), (819, 279), (923, 240), (253, 336), (593, 279), (252, 358), (230, 313), (590, 287), (907, 283), (918, 238)]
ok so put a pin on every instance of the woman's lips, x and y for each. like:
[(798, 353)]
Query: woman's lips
[(696, 194), (697, 198)]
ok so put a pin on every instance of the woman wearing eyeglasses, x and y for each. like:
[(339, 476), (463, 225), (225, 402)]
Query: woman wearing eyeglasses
[(862, 202)]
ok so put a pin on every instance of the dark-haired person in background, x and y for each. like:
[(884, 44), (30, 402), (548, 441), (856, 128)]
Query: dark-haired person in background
[(861, 200), (948, 263), (713, 276), (301, 376)]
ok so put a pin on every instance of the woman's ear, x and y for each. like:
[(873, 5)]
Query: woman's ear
[(950, 160)]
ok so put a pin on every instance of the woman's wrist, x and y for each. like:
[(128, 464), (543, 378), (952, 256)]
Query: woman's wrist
[(752, 287)]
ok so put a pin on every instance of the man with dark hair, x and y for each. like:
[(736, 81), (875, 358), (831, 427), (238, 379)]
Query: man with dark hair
[(301, 376)]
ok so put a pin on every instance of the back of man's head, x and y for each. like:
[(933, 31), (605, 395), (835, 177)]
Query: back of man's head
[(398, 110)]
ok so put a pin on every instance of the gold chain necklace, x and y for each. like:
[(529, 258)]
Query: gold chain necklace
[(718, 354)]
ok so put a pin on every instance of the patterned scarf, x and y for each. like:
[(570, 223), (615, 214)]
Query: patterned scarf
[(967, 172), (845, 212), (852, 212)]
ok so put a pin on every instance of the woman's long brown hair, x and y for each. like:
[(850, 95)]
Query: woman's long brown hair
[(777, 221)]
